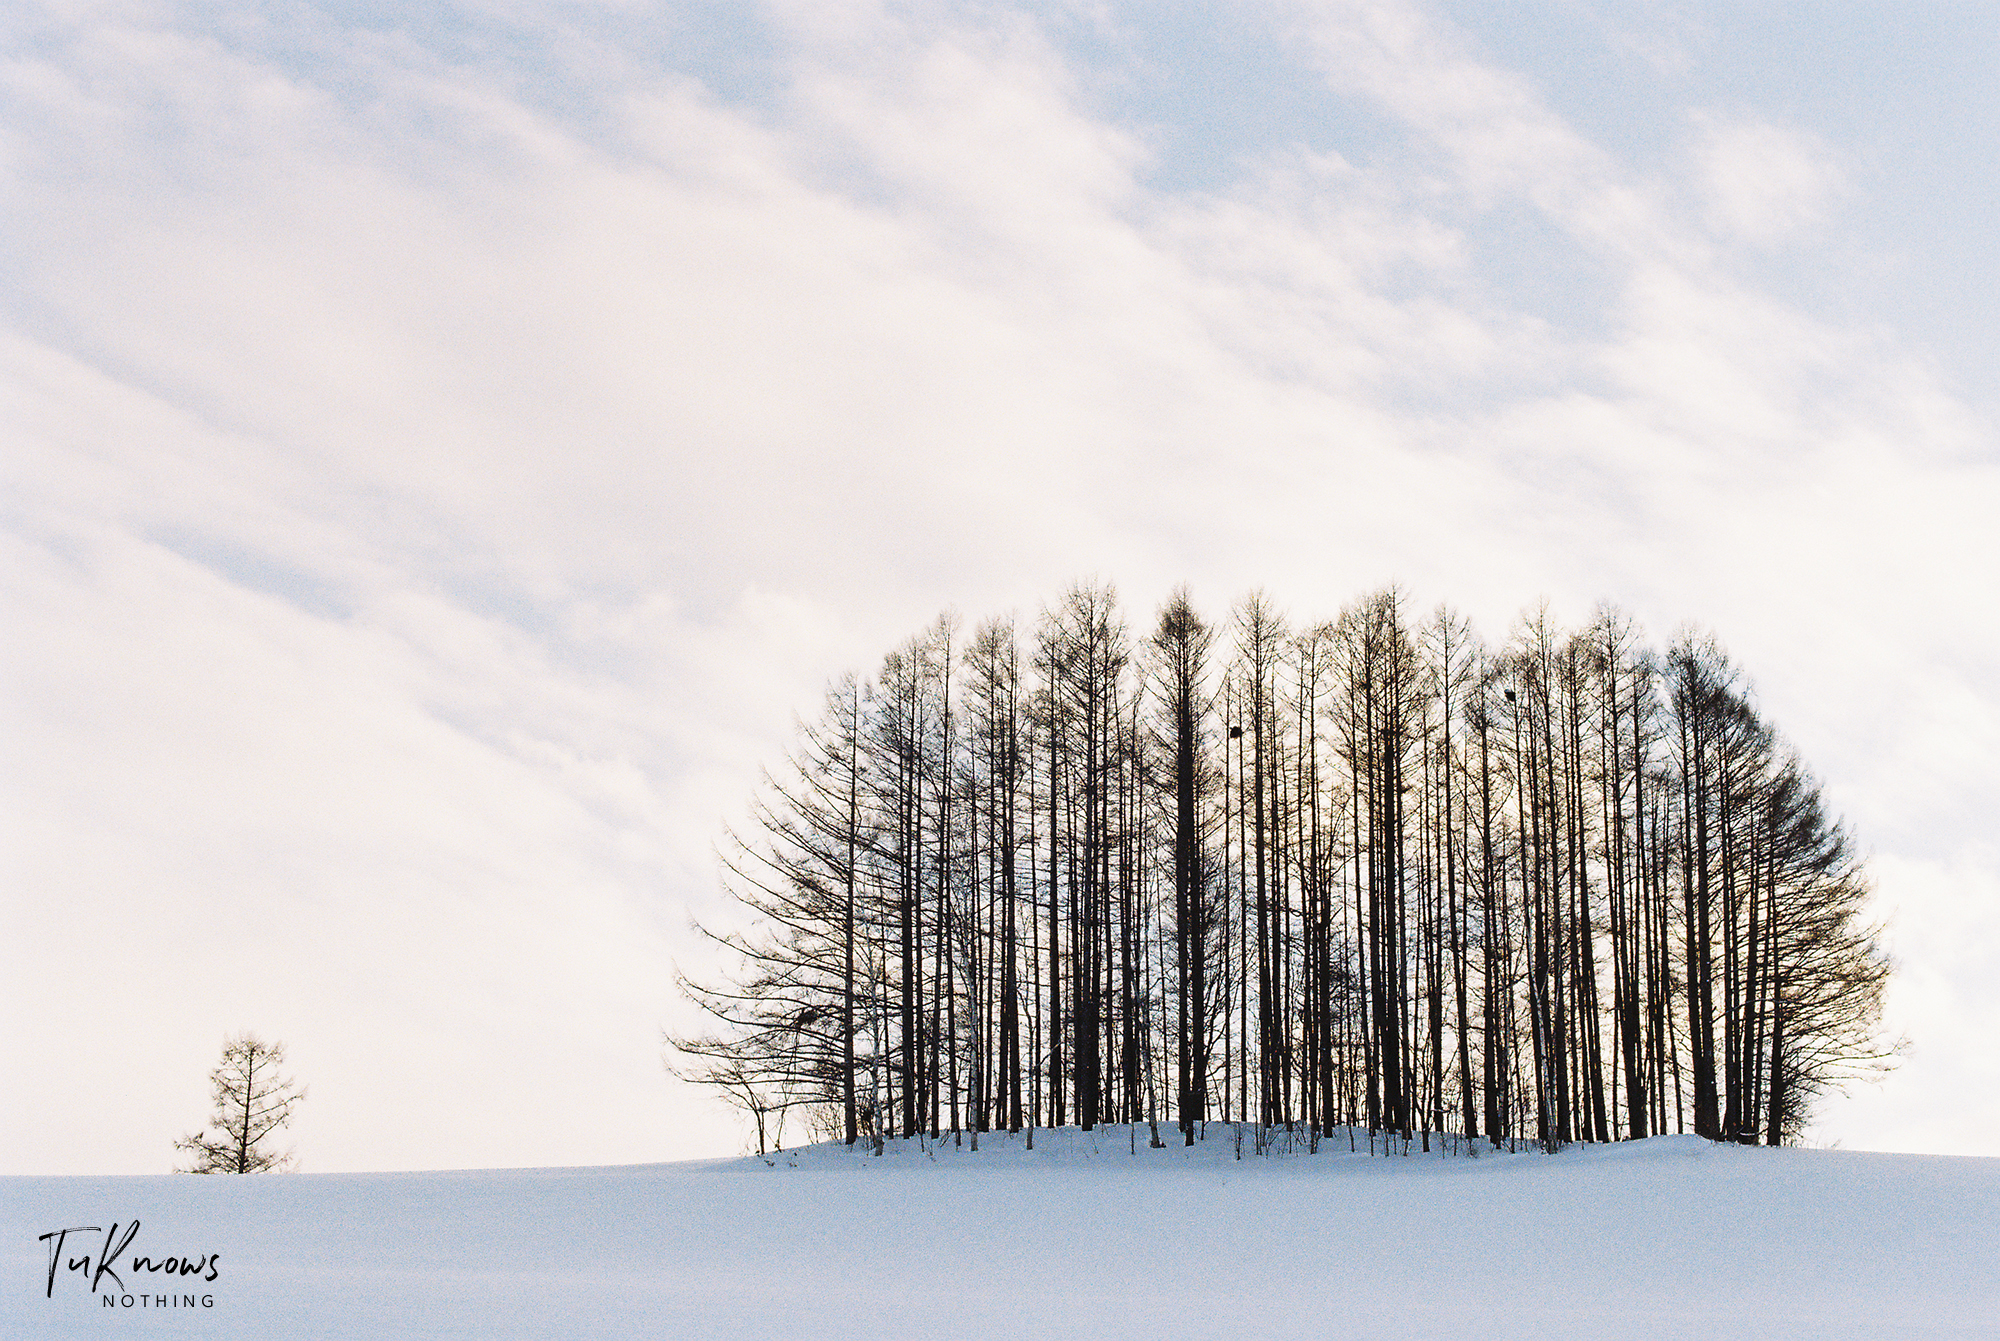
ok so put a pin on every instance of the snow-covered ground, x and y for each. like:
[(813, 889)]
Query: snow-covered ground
[(1079, 1238)]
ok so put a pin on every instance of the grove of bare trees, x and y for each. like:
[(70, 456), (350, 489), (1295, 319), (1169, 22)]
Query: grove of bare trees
[(1371, 873)]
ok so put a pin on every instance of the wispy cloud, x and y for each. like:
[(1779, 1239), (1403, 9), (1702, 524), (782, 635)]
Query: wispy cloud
[(443, 456)]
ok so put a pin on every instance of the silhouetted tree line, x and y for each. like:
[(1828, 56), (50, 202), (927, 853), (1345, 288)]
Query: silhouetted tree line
[(1364, 873)]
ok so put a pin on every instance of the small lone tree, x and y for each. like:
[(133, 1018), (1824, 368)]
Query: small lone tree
[(251, 1102)]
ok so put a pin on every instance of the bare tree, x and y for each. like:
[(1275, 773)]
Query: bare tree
[(787, 1021), (252, 1101), (1180, 651), (1571, 888)]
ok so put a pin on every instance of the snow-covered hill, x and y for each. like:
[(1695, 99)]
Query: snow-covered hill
[(1081, 1237)]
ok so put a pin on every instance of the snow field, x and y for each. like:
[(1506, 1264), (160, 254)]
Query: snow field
[(1078, 1238)]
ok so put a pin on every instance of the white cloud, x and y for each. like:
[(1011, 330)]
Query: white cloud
[(1762, 181), (427, 504)]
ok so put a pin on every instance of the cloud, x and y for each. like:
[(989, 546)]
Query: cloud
[(441, 463), (1761, 181)]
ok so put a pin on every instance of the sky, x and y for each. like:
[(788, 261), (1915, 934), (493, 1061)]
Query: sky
[(445, 447)]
